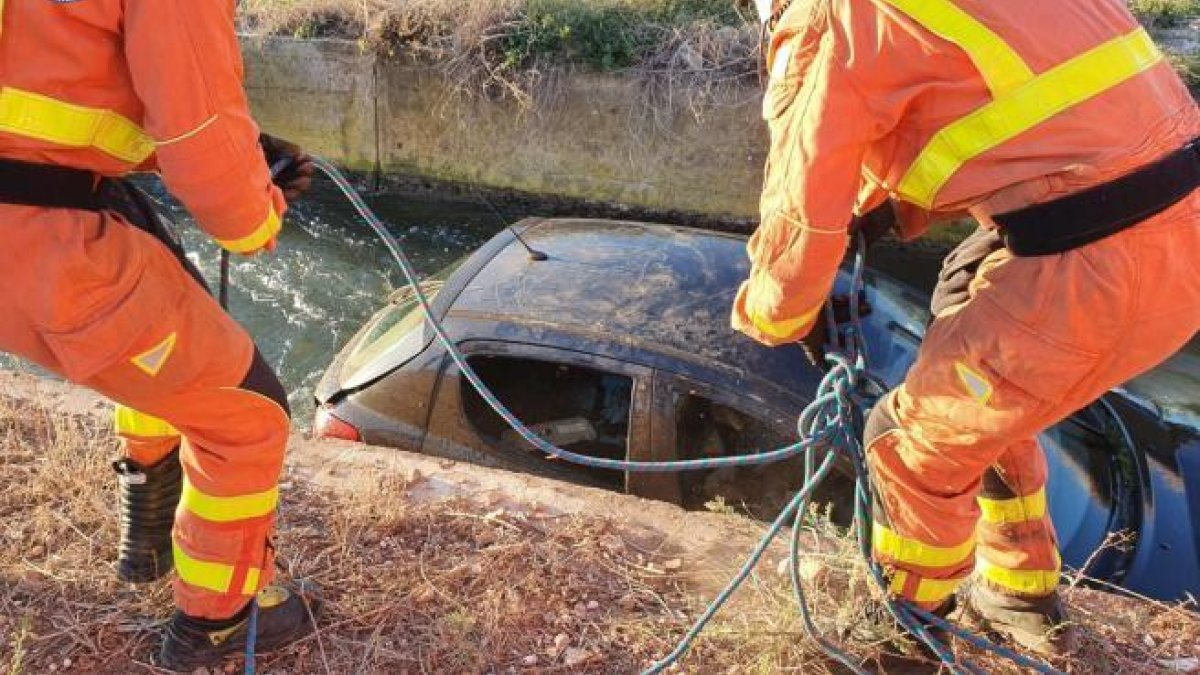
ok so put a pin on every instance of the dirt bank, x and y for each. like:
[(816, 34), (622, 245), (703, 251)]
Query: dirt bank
[(432, 566)]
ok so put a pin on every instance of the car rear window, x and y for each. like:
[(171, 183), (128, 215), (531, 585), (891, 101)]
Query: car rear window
[(398, 329)]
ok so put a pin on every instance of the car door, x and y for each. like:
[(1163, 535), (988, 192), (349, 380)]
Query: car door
[(588, 404), (693, 419)]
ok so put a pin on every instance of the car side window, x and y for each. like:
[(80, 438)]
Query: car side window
[(582, 409), (708, 424)]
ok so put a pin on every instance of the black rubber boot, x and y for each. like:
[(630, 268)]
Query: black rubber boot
[(149, 496), (285, 615)]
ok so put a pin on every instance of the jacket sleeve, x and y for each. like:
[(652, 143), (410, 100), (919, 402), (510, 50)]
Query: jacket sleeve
[(186, 68), (820, 128)]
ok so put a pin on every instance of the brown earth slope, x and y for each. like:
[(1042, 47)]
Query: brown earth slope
[(436, 567)]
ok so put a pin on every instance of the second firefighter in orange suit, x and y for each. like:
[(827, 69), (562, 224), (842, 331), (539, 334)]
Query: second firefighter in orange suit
[(951, 106), (97, 290)]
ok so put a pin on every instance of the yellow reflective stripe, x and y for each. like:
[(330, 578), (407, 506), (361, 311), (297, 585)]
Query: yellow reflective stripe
[(257, 239), (935, 590), (785, 328), (928, 590), (130, 422), (1026, 582), (210, 576), (1067, 84), (1000, 66), (250, 585), (227, 509), (46, 119), (1015, 510), (904, 550)]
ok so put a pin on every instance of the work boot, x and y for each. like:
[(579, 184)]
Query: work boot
[(149, 496), (900, 650), (1038, 625), (285, 615)]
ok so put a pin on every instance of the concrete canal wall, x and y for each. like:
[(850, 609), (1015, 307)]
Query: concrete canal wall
[(594, 139)]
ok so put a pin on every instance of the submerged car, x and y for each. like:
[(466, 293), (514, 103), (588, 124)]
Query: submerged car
[(616, 343)]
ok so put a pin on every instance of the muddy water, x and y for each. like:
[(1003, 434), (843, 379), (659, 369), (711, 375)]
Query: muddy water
[(329, 274)]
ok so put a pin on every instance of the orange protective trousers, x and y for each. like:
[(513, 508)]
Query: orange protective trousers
[(109, 87), (952, 451), (950, 107), (106, 304)]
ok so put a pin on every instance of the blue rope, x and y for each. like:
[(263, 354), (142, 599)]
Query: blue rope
[(828, 428), (252, 636)]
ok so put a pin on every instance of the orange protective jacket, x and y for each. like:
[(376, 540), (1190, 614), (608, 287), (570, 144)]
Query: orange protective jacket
[(946, 106), (117, 85)]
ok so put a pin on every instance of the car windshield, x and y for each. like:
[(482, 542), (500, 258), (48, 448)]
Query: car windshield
[(398, 329)]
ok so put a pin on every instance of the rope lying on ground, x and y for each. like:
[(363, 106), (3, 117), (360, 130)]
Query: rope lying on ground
[(828, 428)]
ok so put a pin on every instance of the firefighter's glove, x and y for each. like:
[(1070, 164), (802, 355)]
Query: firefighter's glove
[(875, 224), (293, 169), (813, 345), (960, 268), (816, 343)]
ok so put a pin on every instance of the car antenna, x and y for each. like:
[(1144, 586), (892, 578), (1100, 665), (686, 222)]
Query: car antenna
[(534, 254)]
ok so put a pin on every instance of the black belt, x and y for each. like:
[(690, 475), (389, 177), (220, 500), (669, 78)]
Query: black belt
[(56, 187), (1090, 215)]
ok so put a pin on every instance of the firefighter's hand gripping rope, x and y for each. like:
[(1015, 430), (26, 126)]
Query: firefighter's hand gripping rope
[(829, 428)]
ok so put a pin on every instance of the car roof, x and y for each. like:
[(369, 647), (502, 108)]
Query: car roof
[(665, 289)]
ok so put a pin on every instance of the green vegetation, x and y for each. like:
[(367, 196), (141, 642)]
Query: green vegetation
[(1165, 13), (607, 34), (511, 34), (513, 47), (1188, 66)]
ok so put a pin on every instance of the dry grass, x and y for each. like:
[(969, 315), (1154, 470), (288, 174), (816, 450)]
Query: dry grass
[(689, 53), (457, 586)]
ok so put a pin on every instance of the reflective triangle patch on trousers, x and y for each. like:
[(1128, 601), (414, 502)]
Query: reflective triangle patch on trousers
[(152, 360), (977, 386)]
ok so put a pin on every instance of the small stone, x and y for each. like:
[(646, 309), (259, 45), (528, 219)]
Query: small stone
[(575, 656), (1149, 641), (560, 642), (593, 605), (67, 663), (1188, 665), (37, 551), (673, 565), (531, 660)]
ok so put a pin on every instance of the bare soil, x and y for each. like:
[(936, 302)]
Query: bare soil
[(430, 567)]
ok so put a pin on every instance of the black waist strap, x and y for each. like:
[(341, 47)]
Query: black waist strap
[(1090, 215), (57, 187)]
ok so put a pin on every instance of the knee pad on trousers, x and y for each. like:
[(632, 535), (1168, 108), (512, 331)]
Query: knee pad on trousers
[(261, 379)]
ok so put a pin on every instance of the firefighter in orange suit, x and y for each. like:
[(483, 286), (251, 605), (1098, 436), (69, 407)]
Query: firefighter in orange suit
[(1060, 127), (97, 290)]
